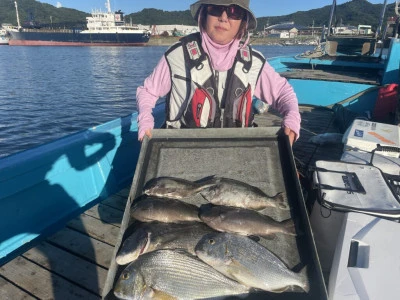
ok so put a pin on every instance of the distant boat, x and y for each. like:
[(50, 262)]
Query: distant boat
[(4, 37), (103, 29)]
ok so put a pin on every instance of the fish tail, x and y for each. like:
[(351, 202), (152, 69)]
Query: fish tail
[(289, 227), (208, 179), (206, 183), (280, 200), (203, 187), (304, 279)]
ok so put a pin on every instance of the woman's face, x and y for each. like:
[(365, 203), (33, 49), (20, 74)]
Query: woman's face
[(221, 29)]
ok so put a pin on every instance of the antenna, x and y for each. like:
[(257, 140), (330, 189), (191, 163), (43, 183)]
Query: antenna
[(108, 6)]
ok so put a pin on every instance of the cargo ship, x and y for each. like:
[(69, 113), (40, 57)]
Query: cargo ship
[(4, 38), (103, 29)]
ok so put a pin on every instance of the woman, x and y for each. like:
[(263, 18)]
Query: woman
[(210, 77)]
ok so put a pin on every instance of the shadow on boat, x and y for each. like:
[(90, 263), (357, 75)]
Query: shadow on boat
[(41, 190)]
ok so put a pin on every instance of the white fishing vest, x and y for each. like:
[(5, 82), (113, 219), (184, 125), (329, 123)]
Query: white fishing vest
[(196, 99)]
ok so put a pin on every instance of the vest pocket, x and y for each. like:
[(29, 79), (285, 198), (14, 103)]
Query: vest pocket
[(202, 108), (242, 109)]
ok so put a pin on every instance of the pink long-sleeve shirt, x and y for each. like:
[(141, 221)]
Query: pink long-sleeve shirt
[(270, 88)]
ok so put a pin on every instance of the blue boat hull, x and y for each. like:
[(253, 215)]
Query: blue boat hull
[(44, 187)]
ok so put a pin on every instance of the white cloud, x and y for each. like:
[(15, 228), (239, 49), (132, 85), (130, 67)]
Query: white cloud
[(58, 5)]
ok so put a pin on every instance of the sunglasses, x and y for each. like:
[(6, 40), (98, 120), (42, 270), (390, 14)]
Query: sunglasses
[(233, 12)]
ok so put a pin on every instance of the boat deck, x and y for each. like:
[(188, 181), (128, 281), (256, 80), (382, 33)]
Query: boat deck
[(363, 77), (73, 263)]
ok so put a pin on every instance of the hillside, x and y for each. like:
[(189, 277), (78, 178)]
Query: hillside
[(33, 12), (354, 12)]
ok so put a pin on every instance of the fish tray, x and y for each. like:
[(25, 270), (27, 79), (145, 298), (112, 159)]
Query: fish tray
[(258, 156)]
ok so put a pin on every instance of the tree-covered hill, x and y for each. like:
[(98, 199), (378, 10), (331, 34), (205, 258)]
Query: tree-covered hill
[(152, 16), (35, 12), (354, 12)]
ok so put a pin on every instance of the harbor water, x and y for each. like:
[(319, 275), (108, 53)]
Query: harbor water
[(49, 92)]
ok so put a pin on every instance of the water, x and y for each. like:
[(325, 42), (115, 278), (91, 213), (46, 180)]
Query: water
[(50, 92)]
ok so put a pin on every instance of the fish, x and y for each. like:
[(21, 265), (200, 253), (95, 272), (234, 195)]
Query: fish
[(246, 261), (164, 210), (148, 237), (175, 188), (174, 275), (244, 221), (231, 192)]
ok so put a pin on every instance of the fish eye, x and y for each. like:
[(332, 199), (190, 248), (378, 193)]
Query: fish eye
[(125, 276), (211, 241)]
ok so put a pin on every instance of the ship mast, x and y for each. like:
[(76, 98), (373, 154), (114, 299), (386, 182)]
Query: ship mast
[(378, 30), (16, 9), (108, 6), (333, 11)]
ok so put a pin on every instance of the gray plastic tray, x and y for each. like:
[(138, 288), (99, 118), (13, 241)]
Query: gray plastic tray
[(259, 156)]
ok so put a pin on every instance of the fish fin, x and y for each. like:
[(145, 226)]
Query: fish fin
[(211, 178), (160, 295), (233, 264), (304, 279), (207, 184), (289, 227), (281, 290), (269, 236)]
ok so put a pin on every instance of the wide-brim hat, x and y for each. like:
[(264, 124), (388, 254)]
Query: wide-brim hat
[(252, 22)]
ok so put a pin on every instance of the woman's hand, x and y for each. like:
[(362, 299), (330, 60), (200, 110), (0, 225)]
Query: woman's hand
[(146, 133), (291, 134)]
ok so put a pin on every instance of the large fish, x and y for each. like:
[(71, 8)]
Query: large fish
[(246, 261), (172, 274), (153, 236), (230, 192), (175, 188), (164, 210), (244, 221)]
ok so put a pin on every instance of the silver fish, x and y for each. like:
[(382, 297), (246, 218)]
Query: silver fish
[(244, 221), (246, 261), (230, 192), (153, 236), (164, 210), (175, 188), (173, 274)]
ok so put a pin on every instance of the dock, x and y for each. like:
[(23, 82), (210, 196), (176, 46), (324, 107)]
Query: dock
[(73, 263)]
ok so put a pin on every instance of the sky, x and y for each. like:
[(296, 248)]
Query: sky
[(261, 8)]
